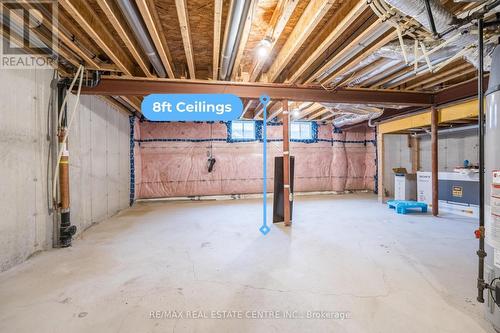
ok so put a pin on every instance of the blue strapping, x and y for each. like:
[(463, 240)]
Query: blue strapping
[(132, 161)]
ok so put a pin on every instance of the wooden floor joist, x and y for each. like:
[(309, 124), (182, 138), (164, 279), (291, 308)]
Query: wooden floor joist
[(111, 10), (96, 29), (152, 24), (182, 13), (346, 15), (313, 14), (279, 20), (217, 37)]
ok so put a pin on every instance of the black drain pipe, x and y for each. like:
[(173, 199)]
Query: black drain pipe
[(480, 233)]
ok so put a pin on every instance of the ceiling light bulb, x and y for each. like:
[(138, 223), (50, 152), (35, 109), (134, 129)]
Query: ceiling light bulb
[(264, 48), (296, 113)]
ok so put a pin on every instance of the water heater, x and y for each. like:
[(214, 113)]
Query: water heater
[(492, 185)]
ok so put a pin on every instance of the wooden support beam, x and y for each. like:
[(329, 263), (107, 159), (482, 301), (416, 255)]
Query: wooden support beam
[(182, 13), (112, 11), (279, 20), (148, 13), (380, 166), (86, 17), (434, 160), (119, 86), (347, 15), (414, 142), (313, 14), (287, 194), (217, 36)]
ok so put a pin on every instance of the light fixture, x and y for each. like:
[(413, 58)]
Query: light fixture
[(296, 113), (264, 48)]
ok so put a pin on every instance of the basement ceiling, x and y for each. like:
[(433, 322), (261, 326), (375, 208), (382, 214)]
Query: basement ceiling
[(319, 43)]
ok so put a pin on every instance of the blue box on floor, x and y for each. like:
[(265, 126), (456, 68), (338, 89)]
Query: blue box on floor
[(402, 206)]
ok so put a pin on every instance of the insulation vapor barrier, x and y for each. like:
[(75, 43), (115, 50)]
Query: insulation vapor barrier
[(171, 160)]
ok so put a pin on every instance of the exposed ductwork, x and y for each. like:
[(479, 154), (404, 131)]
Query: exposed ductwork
[(351, 114), (443, 20), (417, 9), (238, 13), (134, 20)]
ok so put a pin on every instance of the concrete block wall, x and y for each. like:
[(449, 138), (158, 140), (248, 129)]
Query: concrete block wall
[(99, 164)]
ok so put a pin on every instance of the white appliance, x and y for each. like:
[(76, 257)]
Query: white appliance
[(458, 192), (405, 187)]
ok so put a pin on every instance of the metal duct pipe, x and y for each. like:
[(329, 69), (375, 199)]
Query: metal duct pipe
[(238, 12), (130, 11), (418, 10), (443, 22)]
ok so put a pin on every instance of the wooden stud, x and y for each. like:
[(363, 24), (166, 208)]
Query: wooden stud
[(182, 13), (434, 160), (287, 194), (380, 166), (415, 153)]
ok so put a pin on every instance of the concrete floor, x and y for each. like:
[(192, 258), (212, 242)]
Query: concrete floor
[(345, 255)]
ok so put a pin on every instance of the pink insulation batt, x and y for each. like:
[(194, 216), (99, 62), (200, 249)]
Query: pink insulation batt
[(170, 163)]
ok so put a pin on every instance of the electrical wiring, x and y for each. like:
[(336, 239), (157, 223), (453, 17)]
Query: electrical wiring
[(62, 144)]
